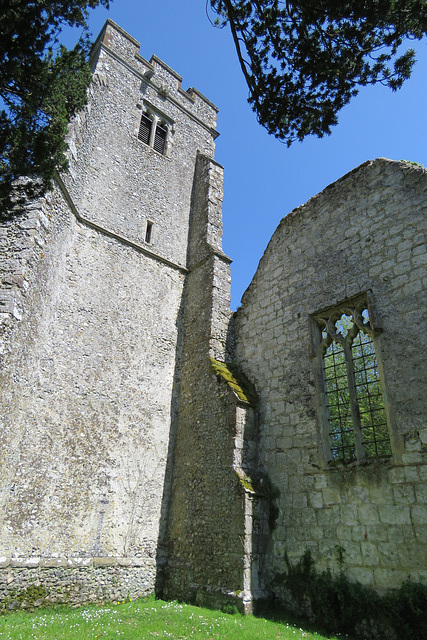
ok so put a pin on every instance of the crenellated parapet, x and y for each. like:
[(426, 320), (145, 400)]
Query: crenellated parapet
[(156, 75)]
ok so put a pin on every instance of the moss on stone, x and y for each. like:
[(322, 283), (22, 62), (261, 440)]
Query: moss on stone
[(29, 598), (235, 379), (246, 482)]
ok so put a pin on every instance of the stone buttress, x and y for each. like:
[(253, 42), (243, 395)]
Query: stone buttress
[(211, 521)]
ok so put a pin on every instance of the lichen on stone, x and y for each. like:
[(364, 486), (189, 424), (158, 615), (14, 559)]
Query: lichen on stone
[(246, 481), (235, 379)]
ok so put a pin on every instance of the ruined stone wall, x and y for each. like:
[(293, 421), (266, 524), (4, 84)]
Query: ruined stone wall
[(91, 312), (363, 233)]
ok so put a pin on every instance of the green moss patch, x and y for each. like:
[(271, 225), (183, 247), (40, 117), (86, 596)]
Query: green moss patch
[(29, 598), (246, 482), (235, 379)]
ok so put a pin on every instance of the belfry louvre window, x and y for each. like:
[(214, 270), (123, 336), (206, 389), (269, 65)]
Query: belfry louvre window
[(353, 408), (159, 139), (144, 129), (152, 133)]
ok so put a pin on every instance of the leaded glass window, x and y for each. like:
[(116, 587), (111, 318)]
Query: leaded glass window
[(352, 399)]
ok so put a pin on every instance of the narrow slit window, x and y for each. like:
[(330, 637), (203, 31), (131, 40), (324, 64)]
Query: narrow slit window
[(148, 232), (352, 399)]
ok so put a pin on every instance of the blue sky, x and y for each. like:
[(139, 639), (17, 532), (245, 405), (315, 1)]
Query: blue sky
[(264, 180)]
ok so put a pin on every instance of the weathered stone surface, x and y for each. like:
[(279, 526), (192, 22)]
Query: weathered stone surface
[(91, 312), (132, 458), (362, 234), (210, 525)]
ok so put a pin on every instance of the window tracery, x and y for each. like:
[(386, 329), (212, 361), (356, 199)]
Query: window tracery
[(353, 406)]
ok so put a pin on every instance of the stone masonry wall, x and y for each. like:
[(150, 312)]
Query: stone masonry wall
[(25, 585), (22, 244), (363, 233), (91, 313), (131, 460), (210, 522), (116, 180), (87, 401)]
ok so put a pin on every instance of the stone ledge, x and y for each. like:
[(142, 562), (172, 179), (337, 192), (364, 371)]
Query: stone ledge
[(52, 563), (24, 563), (73, 563), (104, 562)]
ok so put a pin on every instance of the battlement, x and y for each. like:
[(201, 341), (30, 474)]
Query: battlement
[(116, 42)]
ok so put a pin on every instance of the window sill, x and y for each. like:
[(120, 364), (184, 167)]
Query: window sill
[(147, 146), (338, 465)]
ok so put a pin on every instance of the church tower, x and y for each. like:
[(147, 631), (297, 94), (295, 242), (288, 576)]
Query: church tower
[(115, 293)]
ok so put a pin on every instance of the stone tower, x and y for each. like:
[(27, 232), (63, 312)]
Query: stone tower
[(101, 281)]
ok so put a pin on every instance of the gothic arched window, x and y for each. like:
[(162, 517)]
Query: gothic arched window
[(353, 408)]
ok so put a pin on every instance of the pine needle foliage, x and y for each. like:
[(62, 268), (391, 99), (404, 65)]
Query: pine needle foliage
[(304, 60), (42, 85)]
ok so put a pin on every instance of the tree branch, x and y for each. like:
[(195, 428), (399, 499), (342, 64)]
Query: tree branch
[(232, 19)]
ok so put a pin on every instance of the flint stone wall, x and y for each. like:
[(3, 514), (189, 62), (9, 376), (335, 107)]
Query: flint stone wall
[(210, 518), (116, 180), (128, 463), (87, 401), (363, 233), (92, 317), (33, 583)]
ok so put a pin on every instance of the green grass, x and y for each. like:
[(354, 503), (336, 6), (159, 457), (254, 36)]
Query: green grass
[(144, 620)]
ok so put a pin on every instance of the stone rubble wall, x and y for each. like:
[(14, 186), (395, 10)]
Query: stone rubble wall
[(86, 400), (117, 181), (20, 245), (129, 463), (24, 585), (210, 522), (362, 233)]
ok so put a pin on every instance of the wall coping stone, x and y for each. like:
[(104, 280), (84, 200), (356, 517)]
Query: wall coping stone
[(72, 563)]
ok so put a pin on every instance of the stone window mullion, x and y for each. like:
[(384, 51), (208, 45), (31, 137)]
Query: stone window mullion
[(155, 130), (168, 142), (352, 404), (320, 352), (155, 120), (352, 390)]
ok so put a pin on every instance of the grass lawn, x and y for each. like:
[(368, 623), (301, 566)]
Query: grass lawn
[(143, 620)]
